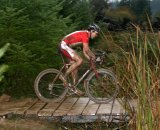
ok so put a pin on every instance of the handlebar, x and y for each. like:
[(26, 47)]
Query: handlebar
[(100, 53), (100, 56)]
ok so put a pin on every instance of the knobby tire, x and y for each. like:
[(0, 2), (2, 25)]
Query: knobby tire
[(44, 80), (104, 89)]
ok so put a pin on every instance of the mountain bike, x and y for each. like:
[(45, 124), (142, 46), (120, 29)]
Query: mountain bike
[(101, 85)]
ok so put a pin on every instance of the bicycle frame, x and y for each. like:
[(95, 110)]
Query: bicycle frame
[(92, 68), (83, 76), (56, 85)]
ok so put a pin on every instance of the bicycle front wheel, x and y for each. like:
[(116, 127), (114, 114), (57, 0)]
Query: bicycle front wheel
[(104, 89), (46, 89)]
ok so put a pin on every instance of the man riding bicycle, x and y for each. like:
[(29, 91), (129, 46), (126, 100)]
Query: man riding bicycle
[(73, 40)]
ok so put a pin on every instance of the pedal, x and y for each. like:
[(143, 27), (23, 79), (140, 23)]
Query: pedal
[(71, 89), (70, 93)]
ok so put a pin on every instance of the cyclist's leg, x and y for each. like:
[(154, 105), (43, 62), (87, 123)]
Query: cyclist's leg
[(74, 58), (74, 66), (74, 75), (73, 70), (75, 61)]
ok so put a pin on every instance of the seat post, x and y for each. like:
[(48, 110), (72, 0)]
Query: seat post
[(62, 57)]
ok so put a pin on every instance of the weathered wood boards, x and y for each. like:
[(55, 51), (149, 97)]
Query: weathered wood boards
[(71, 109), (16, 106)]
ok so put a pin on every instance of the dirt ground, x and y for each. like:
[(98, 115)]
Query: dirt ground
[(25, 124), (19, 123)]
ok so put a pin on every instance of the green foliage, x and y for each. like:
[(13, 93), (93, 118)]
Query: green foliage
[(21, 70), (126, 3), (119, 14), (139, 7), (3, 67), (79, 11), (83, 16), (138, 70), (18, 54), (11, 24), (156, 17), (34, 29), (4, 49), (99, 6)]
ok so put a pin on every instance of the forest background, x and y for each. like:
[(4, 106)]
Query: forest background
[(34, 28), (30, 31)]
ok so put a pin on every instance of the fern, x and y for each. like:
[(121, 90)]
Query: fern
[(3, 67)]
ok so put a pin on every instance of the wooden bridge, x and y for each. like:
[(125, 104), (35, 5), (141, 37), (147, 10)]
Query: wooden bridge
[(73, 109)]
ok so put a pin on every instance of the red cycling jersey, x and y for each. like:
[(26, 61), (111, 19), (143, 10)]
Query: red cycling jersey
[(77, 37), (74, 39)]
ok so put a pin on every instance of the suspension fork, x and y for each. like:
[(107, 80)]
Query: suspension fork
[(93, 67)]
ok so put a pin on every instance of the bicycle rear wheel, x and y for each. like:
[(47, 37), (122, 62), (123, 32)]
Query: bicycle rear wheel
[(104, 89), (48, 91)]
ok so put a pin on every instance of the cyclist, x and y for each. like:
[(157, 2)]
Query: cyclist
[(73, 40)]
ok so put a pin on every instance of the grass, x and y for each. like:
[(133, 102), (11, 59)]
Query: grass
[(138, 70), (136, 56)]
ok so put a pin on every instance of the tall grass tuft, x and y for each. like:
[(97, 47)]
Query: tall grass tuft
[(139, 72)]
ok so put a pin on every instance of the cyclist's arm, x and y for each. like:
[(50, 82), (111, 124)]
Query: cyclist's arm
[(87, 52)]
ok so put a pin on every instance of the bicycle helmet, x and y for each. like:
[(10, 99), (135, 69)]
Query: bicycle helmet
[(94, 27)]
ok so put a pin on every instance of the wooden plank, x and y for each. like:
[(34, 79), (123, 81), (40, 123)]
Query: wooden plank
[(71, 109), (80, 119), (104, 109), (5, 113), (107, 108), (133, 103), (49, 109), (14, 106), (91, 108), (65, 107), (78, 108), (33, 111), (25, 107)]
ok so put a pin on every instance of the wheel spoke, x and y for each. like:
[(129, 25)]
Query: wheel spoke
[(101, 90), (48, 91), (59, 86)]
